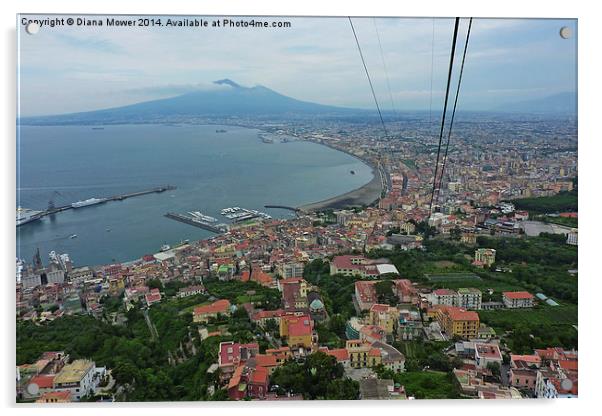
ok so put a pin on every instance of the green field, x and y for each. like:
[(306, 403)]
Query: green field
[(506, 319), (451, 277)]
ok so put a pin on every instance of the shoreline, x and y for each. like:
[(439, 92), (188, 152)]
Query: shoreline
[(361, 196), (365, 195)]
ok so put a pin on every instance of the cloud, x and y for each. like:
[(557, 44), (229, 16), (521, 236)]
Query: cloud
[(316, 59)]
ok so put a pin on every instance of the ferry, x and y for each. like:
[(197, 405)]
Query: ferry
[(88, 202), (25, 215)]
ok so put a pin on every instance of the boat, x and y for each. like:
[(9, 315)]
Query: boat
[(25, 215), (165, 247), (352, 172), (73, 236), (88, 202), (98, 128), (221, 131)]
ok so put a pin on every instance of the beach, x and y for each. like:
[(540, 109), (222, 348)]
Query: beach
[(362, 196)]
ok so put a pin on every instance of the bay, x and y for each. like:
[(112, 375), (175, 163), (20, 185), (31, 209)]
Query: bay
[(211, 170)]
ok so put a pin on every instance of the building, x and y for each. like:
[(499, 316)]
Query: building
[(297, 330), (340, 354), (201, 314), (486, 354), (517, 299), (484, 257), (232, 354), (362, 354), (470, 298), (290, 270), (78, 378), (446, 297), (62, 396), (384, 316), (391, 358), (405, 291), (571, 237), (380, 389), (356, 265), (152, 297), (365, 294), (191, 291), (458, 322), (550, 384), (248, 381), (261, 318), (294, 293)]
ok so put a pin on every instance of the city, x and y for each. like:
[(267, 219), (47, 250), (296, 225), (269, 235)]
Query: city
[(366, 296)]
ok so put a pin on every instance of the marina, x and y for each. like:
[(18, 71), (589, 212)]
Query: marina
[(197, 222), (238, 214)]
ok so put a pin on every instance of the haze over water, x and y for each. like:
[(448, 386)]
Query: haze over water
[(211, 170)]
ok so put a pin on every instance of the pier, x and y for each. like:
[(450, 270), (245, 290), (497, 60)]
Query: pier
[(119, 197), (218, 229), (295, 210)]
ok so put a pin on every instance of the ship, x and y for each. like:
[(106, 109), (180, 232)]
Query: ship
[(165, 247), (98, 128), (221, 131), (88, 202), (25, 215)]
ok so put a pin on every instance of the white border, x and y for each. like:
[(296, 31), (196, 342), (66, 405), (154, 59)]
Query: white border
[(589, 158)]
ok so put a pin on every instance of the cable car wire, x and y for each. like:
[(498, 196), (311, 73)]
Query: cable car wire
[(368, 76), (451, 123), (382, 57), (449, 75)]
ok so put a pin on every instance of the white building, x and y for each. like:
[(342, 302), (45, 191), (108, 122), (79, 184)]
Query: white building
[(470, 298), (444, 297), (571, 237), (79, 377)]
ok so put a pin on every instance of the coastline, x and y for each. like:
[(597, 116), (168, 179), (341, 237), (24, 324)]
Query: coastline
[(362, 196)]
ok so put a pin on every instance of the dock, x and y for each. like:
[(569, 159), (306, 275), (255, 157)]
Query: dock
[(218, 228), (119, 197)]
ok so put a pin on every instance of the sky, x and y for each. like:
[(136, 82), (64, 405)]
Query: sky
[(69, 69)]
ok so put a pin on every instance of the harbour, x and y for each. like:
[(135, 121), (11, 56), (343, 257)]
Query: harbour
[(190, 220)]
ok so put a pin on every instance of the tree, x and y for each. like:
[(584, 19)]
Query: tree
[(495, 369)]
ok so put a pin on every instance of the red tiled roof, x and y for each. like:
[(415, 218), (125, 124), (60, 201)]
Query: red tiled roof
[(264, 360), (518, 295), (568, 364), (259, 375), (63, 395), (300, 326), (219, 306), (235, 379), (341, 354), (44, 381)]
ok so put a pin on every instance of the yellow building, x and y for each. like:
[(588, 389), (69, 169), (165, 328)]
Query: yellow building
[(297, 330), (362, 354), (384, 316), (458, 322)]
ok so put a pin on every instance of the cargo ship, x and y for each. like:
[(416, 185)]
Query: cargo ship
[(25, 215), (88, 202)]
